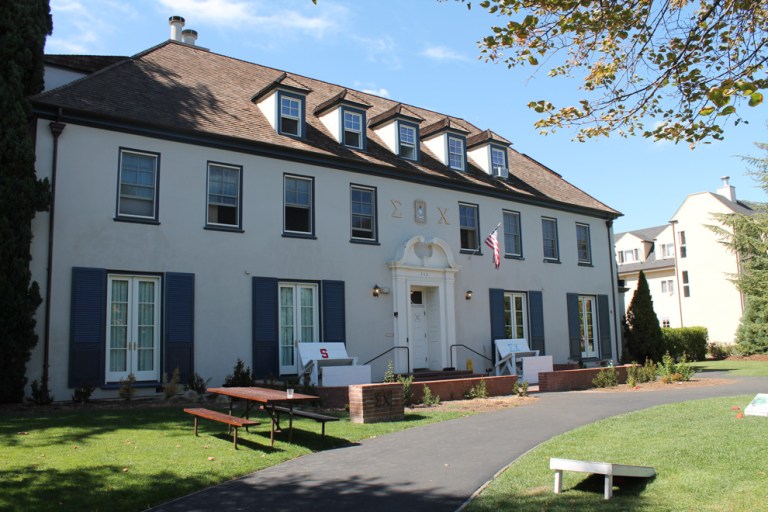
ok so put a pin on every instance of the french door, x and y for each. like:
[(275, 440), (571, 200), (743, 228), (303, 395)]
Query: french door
[(516, 315), (133, 328), (588, 326), (299, 321)]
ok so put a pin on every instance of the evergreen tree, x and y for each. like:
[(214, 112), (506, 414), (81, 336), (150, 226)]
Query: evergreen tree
[(752, 334), (24, 26), (643, 338)]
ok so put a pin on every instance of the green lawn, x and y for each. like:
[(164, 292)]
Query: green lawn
[(706, 459), (126, 459), (736, 367)]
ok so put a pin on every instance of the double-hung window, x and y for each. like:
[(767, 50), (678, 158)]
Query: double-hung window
[(667, 250), (223, 197), (468, 231), (583, 244), (362, 205), (549, 236), (683, 247), (137, 190), (499, 162), (407, 142), (513, 241), (291, 114), (456, 153), (353, 129), (298, 199)]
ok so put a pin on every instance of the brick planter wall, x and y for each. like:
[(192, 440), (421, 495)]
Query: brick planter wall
[(454, 389), (372, 403), (571, 380)]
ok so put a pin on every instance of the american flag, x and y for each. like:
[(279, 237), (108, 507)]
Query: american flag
[(492, 241)]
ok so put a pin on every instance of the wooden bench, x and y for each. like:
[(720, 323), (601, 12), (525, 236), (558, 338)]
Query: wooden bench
[(232, 421), (599, 468), (321, 418)]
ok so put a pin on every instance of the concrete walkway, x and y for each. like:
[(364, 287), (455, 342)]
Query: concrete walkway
[(436, 467)]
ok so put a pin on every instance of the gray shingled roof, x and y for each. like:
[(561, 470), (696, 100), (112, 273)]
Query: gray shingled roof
[(184, 89), (83, 63), (644, 234)]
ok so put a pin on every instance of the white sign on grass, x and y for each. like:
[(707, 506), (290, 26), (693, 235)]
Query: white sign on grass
[(758, 406)]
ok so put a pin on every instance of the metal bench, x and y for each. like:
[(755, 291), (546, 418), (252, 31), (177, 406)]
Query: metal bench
[(321, 418), (599, 468), (232, 421)]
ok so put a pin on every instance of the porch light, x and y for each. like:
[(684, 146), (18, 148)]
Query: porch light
[(468, 295), (376, 290)]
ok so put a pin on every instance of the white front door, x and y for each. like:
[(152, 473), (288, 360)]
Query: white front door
[(298, 322), (419, 326), (588, 327), (133, 330)]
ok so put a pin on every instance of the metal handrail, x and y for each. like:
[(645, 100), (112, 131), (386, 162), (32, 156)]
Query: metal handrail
[(470, 349), (408, 355)]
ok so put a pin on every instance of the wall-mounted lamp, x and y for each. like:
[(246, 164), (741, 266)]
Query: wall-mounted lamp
[(468, 295), (376, 290)]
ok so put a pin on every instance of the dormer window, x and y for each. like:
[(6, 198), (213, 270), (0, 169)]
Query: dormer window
[(456, 156), (499, 162), (353, 129), (291, 110), (408, 142)]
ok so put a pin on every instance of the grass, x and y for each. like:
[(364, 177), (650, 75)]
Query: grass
[(736, 367), (126, 459), (705, 458)]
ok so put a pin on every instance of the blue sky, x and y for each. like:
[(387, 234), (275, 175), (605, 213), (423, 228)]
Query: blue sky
[(425, 53)]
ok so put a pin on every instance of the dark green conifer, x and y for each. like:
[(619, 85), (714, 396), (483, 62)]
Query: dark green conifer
[(643, 337)]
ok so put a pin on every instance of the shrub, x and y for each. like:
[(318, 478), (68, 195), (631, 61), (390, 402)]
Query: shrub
[(520, 389), (83, 393), (196, 383), (606, 378), (643, 333), (389, 373), (127, 389), (674, 372), (407, 391), (240, 378), (479, 390), (718, 351), (171, 387), (686, 340), (427, 398), (40, 393)]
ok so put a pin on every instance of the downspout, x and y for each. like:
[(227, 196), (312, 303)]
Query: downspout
[(677, 273), (614, 284), (56, 128)]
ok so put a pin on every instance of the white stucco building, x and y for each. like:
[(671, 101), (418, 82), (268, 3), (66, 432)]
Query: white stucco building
[(208, 209), (687, 267)]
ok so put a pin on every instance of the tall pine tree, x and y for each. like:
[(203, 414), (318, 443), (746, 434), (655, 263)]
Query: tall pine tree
[(24, 26), (643, 334)]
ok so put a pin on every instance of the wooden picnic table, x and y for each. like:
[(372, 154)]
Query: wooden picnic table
[(267, 399)]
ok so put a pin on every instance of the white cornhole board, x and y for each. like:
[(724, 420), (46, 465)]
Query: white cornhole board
[(758, 406), (598, 468), (314, 357), (532, 365), (346, 375), (507, 353)]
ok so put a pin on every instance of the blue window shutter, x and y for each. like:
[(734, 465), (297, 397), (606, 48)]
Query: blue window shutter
[(536, 314), (87, 334), (498, 324), (604, 326), (574, 338), (179, 324), (265, 335), (334, 319)]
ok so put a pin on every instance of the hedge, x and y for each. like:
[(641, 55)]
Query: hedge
[(689, 340)]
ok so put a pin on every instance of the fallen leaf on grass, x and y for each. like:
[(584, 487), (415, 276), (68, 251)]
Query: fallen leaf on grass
[(211, 458), (125, 470), (735, 408), (739, 416), (23, 433)]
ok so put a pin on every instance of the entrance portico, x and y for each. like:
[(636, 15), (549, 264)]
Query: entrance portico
[(423, 279)]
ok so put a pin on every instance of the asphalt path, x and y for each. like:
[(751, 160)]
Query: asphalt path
[(436, 467)]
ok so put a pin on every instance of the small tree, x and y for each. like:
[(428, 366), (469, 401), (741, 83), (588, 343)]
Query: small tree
[(643, 338), (752, 334)]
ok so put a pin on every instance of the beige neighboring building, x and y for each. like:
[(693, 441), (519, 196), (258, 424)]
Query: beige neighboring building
[(687, 267)]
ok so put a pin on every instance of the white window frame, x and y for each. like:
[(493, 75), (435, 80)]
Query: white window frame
[(499, 168), (454, 143), (511, 249), (353, 214), (122, 187), (588, 322), (554, 239), (290, 321), (132, 328), (214, 204), (283, 114), (516, 315), (351, 129), (476, 229), (408, 150), (583, 245), (309, 208)]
